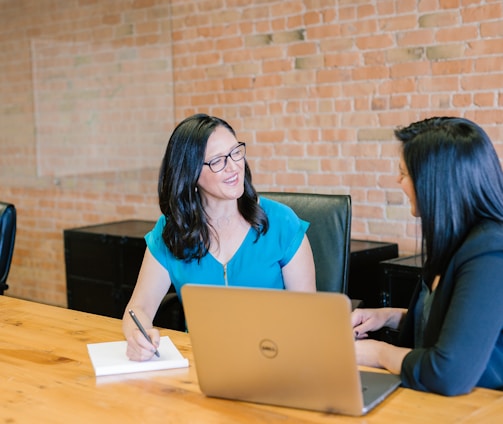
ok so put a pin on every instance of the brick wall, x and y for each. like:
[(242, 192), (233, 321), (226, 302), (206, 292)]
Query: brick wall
[(314, 87)]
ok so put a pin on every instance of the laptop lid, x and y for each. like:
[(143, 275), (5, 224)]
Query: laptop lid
[(279, 347)]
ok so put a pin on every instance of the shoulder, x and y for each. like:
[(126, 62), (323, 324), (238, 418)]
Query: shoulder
[(154, 236), (483, 243), (277, 211), (488, 227), (272, 207), (485, 237), (159, 225)]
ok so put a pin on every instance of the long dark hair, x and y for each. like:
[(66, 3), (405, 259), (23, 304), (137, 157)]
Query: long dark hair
[(458, 181), (187, 231)]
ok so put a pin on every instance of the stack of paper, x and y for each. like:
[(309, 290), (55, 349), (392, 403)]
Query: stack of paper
[(110, 358)]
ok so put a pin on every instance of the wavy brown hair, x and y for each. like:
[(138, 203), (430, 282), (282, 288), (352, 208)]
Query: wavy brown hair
[(187, 231)]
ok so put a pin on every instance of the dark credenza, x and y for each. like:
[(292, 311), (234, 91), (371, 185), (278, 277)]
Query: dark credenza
[(364, 271), (103, 262), (399, 279), (102, 265)]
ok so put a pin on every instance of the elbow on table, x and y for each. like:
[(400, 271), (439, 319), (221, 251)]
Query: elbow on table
[(449, 386), (435, 376), (452, 389), (445, 388), (446, 385), (451, 382)]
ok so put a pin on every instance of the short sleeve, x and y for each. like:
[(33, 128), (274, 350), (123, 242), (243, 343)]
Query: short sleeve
[(155, 242), (286, 227)]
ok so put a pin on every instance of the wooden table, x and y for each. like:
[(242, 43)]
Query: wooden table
[(46, 377)]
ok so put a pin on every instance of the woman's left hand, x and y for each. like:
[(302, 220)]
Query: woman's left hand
[(377, 354), (367, 352)]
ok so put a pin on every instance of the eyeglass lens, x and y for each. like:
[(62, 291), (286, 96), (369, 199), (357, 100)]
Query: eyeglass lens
[(219, 163)]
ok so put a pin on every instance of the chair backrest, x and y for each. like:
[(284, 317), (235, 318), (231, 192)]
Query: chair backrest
[(329, 234), (7, 238)]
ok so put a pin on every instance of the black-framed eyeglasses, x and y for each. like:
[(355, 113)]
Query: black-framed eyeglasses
[(220, 162)]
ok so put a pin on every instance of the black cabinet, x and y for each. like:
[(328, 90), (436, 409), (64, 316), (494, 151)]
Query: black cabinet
[(102, 265), (364, 271), (399, 279)]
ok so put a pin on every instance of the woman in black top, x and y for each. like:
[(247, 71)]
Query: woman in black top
[(451, 336)]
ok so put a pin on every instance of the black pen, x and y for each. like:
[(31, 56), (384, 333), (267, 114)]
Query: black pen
[(140, 327)]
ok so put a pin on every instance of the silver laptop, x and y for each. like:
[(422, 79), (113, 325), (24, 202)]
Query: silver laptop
[(280, 347)]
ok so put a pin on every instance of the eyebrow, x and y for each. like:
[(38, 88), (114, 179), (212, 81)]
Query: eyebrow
[(217, 155)]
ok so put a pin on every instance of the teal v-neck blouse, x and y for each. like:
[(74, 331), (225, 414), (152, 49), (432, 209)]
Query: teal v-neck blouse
[(255, 263)]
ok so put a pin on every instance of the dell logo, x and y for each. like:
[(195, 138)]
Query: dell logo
[(268, 348)]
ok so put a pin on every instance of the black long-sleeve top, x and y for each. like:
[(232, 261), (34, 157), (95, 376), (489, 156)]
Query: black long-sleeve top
[(463, 338)]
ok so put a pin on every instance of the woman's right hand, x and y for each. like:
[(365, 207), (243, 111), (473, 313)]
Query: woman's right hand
[(139, 348), (365, 320)]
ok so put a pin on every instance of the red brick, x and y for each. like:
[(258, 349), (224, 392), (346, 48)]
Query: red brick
[(290, 179), (398, 22), (484, 99), (463, 33), (453, 67), (488, 64), (302, 49), (482, 12), (479, 82), (491, 29), (141, 4), (462, 100), (370, 72), (485, 47), (409, 69), (331, 181), (374, 42)]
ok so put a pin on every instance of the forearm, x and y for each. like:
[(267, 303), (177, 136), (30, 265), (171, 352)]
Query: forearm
[(391, 357), (152, 285)]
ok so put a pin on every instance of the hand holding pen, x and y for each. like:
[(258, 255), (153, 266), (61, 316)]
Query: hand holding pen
[(143, 331)]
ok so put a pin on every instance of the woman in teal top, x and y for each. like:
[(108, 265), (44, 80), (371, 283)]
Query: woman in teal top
[(256, 263), (213, 228)]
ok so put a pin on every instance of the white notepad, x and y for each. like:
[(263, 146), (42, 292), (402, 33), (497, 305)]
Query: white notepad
[(110, 358)]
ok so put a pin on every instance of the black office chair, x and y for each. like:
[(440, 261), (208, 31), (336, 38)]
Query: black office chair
[(7, 238), (170, 313), (329, 234)]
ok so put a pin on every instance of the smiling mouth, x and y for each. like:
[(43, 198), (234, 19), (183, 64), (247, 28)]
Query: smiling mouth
[(232, 179)]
